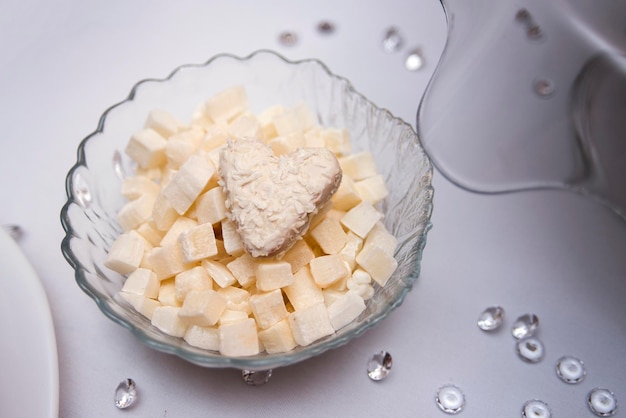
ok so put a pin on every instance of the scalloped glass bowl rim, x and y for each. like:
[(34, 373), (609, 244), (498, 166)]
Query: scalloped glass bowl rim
[(215, 360)]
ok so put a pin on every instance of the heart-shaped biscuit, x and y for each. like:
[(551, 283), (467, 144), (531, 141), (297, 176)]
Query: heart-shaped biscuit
[(271, 198)]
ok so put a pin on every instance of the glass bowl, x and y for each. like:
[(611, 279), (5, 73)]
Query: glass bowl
[(93, 184)]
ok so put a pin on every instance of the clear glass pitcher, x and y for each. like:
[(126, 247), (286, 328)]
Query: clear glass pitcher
[(529, 96)]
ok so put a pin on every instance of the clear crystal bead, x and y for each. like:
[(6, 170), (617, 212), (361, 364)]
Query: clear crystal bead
[(325, 27), (530, 349), (415, 60), (379, 365), (125, 394), (450, 399), (525, 326), (536, 409), (288, 38), (491, 318), (256, 377), (570, 369), (602, 402), (544, 87), (392, 40)]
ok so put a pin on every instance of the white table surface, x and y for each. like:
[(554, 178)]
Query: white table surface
[(554, 254)]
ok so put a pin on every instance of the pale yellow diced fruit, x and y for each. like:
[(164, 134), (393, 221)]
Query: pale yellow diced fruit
[(166, 261), (167, 293), (163, 213), (244, 269), (268, 308), (313, 138), (359, 165), (299, 255), (137, 186), (232, 240), (303, 292), (278, 338), (167, 173), (351, 249), (237, 299), (380, 236), (377, 262), (126, 253), (304, 115), (147, 148), (330, 236), (199, 118), (219, 273), (150, 232), (177, 151), (320, 215), (227, 104), (232, 315), (328, 269), (153, 173), (210, 206), (188, 182), (345, 310), (341, 284), (145, 306), (266, 119), (163, 122), (239, 338), (331, 295), (246, 126), (167, 320), (194, 279), (214, 156), (347, 196), (192, 212), (198, 243), (214, 138), (310, 324), (284, 144), (335, 214), (142, 282), (182, 224), (202, 308), (207, 338), (272, 275), (361, 218), (372, 189), (337, 140), (287, 123), (136, 212)]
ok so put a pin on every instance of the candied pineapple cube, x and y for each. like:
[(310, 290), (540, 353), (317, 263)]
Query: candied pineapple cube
[(198, 243), (166, 261), (328, 269), (219, 273), (272, 275), (147, 148), (277, 338), (210, 206), (380, 236), (337, 140), (150, 232), (237, 299), (196, 278), (268, 308), (330, 236), (347, 195), (377, 262), (163, 213), (303, 292), (361, 218), (232, 315), (345, 309), (163, 122), (359, 165), (310, 324), (188, 182), (145, 306), (136, 212), (372, 189), (167, 293), (180, 225), (243, 268), (227, 104), (246, 125), (137, 186), (167, 320), (202, 308), (239, 338), (232, 240), (142, 282), (299, 255), (207, 338), (126, 253)]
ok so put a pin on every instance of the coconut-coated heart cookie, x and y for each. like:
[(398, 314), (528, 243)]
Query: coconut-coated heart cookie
[(271, 198)]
